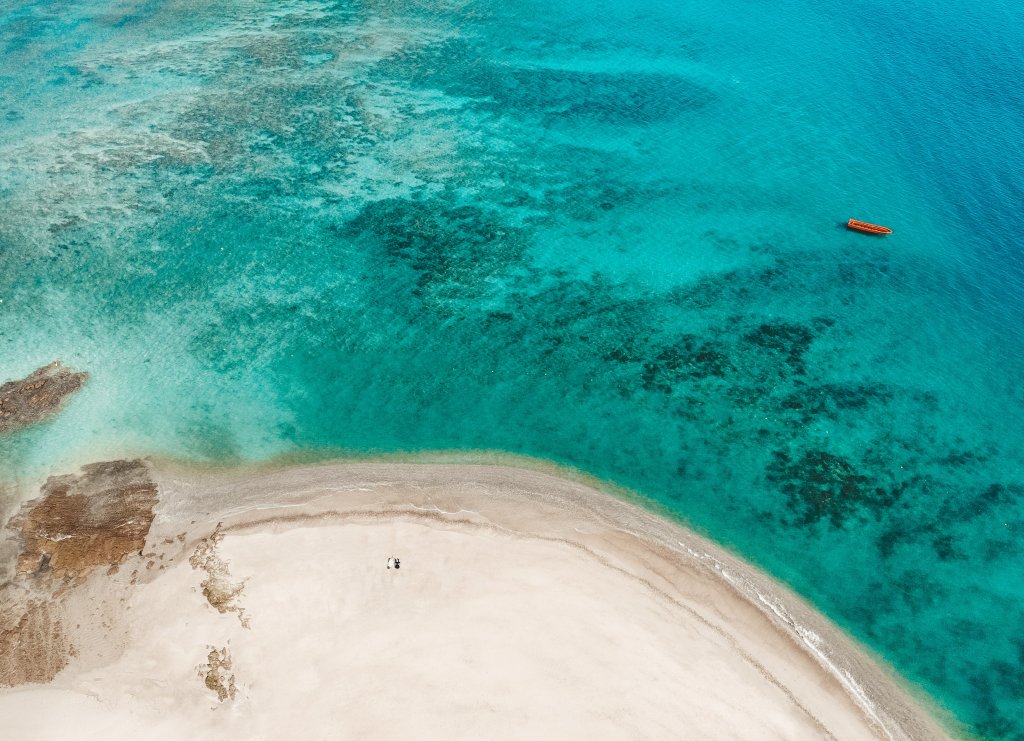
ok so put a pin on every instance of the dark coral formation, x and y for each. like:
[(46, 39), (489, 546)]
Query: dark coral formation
[(824, 486), (632, 98), (791, 341), (688, 358), (452, 250), (834, 399), (38, 396)]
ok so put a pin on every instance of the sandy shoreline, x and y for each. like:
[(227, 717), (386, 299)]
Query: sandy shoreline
[(527, 604)]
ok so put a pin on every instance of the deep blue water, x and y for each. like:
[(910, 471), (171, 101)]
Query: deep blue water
[(608, 234)]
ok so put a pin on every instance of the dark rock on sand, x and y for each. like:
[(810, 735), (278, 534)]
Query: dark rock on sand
[(96, 519), (81, 522), (33, 643)]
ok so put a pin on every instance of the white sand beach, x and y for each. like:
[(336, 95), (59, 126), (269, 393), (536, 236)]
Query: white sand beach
[(526, 605)]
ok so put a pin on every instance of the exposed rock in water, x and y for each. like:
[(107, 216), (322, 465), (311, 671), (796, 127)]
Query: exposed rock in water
[(81, 522), (38, 396)]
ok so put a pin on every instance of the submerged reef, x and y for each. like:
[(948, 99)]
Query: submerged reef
[(821, 485), (620, 98)]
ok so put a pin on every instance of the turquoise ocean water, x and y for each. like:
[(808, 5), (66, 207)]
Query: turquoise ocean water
[(607, 234)]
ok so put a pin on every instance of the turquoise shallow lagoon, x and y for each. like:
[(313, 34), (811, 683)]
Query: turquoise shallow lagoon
[(606, 234)]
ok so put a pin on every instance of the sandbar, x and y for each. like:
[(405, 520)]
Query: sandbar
[(526, 605)]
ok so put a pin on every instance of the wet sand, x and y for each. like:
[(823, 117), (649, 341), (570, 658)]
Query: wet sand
[(526, 605)]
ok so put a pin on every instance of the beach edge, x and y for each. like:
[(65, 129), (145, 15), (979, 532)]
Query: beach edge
[(238, 497)]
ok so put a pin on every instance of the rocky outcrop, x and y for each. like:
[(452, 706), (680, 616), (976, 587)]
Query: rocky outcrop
[(217, 676), (82, 522), (220, 590), (38, 396), (96, 519), (33, 643)]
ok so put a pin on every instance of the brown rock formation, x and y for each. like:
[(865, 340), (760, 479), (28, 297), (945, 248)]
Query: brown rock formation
[(81, 522), (217, 674), (33, 645), (95, 519), (219, 589), (38, 396)]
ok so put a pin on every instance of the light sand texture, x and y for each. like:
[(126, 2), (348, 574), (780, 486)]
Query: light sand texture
[(526, 606)]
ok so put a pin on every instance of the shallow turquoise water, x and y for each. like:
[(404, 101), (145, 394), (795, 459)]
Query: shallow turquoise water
[(606, 234)]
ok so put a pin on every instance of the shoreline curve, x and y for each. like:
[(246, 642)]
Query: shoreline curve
[(830, 680)]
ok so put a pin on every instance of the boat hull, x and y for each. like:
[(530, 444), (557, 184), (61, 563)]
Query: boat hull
[(866, 228)]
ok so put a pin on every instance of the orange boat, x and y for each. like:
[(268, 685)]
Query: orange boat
[(863, 226)]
